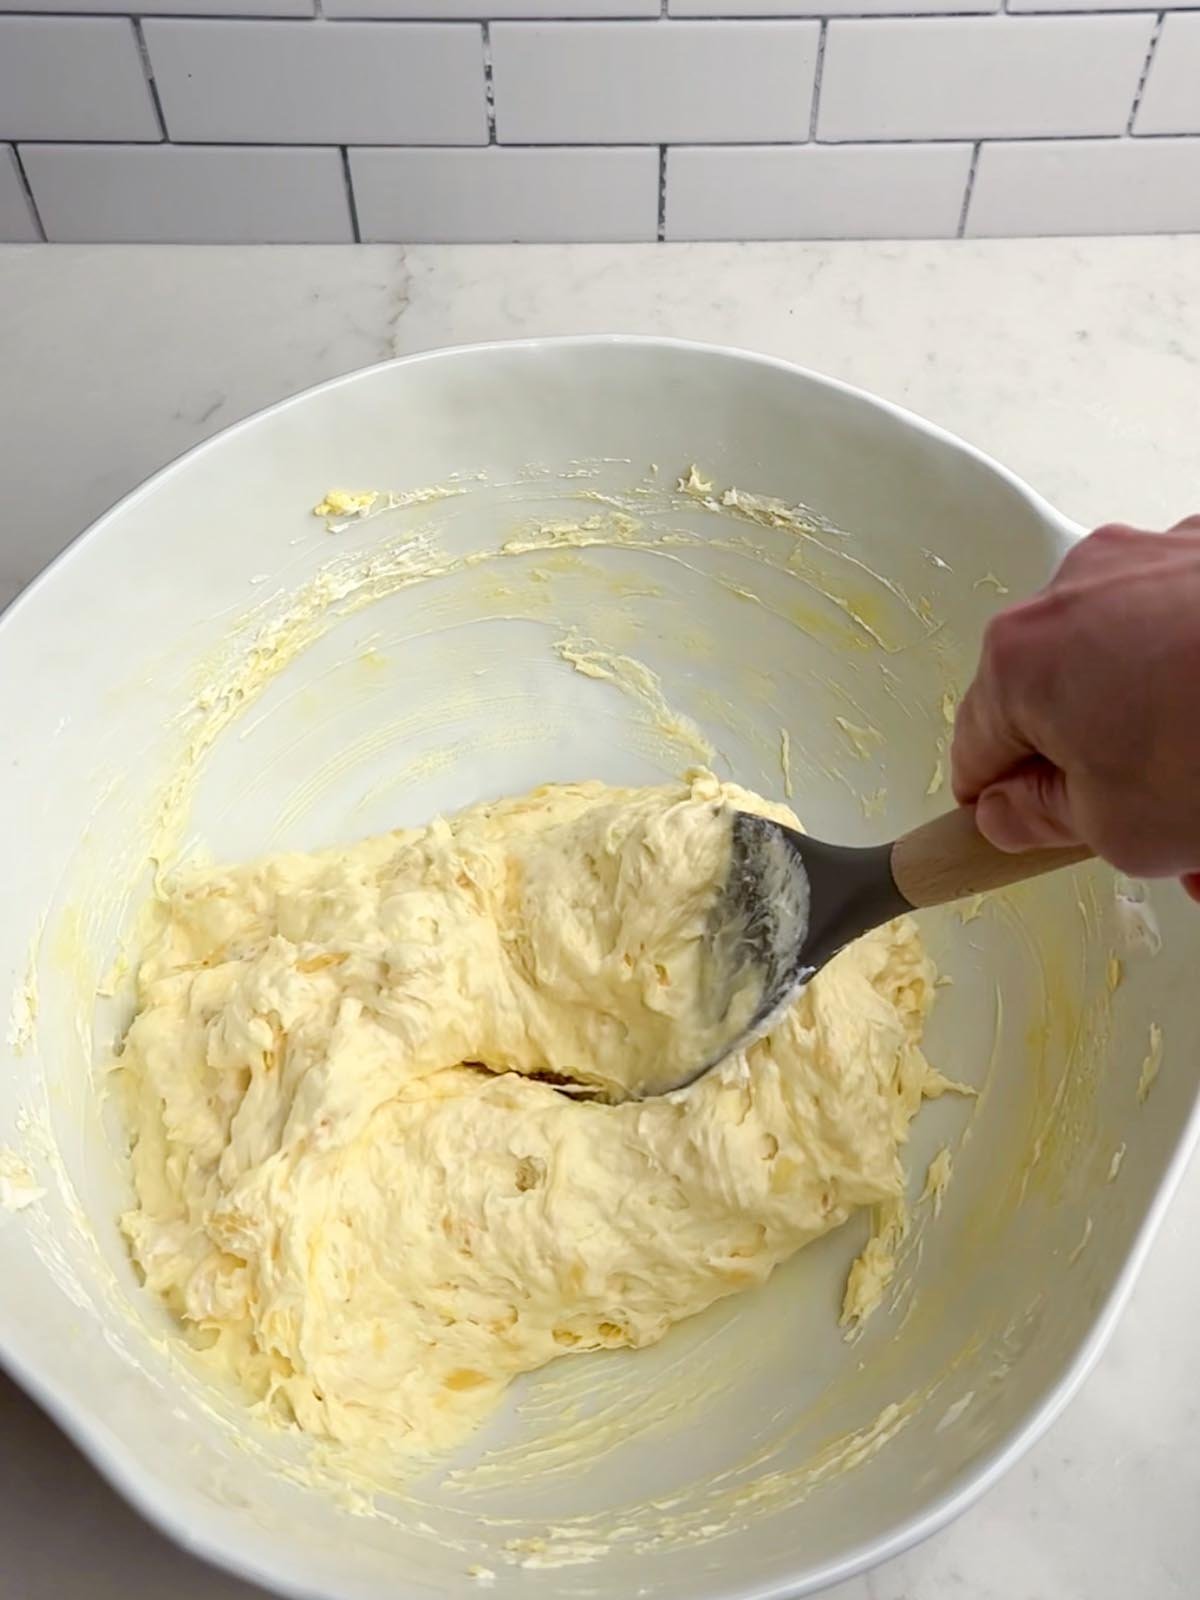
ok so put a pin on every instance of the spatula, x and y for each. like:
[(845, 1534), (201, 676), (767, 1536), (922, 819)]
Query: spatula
[(791, 902)]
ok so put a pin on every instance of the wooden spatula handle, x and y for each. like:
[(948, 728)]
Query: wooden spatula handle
[(949, 859)]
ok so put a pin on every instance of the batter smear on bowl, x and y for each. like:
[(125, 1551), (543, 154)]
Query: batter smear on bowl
[(352, 1184)]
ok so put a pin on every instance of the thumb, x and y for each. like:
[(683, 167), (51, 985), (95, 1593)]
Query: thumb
[(1027, 811)]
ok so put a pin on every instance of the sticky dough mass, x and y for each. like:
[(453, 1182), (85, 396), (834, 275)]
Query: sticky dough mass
[(368, 1214)]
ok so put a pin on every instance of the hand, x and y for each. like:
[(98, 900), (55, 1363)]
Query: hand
[(1083, 723)]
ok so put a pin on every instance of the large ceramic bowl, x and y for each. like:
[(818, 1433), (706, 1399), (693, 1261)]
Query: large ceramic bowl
[(212, 668)]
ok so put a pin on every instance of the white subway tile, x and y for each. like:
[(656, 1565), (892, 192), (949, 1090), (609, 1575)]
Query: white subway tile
[(165, 194), (824, 8), (1087, 186), (483, 10), (1094, 5), (453, 196), (73, 78), (980, 77), (320, 82), (1171, 98), (163, 8), (17, 222), (652, 82), (871, 191)]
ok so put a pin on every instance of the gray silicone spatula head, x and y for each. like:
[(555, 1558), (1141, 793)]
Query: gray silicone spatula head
[(789, 903)]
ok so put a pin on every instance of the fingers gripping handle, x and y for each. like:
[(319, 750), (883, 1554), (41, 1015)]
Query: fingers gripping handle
[(948, 859)]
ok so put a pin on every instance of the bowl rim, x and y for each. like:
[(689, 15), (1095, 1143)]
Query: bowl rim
[(122, 1467), (1067, 530)]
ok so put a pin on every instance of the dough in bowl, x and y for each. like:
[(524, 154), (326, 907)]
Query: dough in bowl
[(352, 1193)]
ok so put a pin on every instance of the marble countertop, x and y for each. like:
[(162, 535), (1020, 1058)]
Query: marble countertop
[(1075, 362)]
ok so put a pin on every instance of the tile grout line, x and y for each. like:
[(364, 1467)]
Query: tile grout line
[(489, 83), (817, 74), (29, 194), (350, 200), (662, 193), (925, 141), (148, 69), (968, 191), (1155, 36), (1048, 9)]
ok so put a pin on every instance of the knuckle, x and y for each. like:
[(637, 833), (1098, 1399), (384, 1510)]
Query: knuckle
[(1110, 533), (1097, 549), (1007, 642), (998, 640)]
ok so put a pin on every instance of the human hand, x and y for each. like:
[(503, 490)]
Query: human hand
[(1082, 725)]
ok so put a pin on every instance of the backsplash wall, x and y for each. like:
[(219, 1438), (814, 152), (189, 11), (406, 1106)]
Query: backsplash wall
[(464, 120)]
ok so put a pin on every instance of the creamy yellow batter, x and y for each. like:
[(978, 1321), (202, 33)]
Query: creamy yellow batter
[(351, 1192)]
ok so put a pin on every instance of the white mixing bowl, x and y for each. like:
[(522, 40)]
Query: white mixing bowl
[(210, 667)]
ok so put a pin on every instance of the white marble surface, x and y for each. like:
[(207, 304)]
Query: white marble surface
[(1076, 362)]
